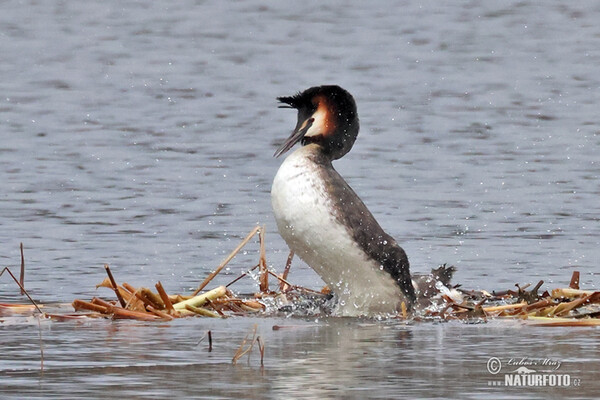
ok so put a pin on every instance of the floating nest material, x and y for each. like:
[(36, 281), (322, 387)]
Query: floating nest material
[(569, 306)]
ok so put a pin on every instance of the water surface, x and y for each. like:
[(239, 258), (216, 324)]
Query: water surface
[(140, 135)]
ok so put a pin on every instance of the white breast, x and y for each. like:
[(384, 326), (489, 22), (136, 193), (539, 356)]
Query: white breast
[(305, 217)]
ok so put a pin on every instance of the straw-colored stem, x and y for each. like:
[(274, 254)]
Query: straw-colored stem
[(202, 311), (226, 261), (569, 293), (505, 307), (198, 301)]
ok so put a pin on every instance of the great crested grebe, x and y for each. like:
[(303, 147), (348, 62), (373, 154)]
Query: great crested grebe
[(323, 220)]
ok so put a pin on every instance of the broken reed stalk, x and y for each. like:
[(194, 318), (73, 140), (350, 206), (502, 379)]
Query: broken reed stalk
[(159, 313), (22, 288), (202, 311), (198, 301), (226, 261), (138, 293), (114, 285), (84, 305), (505, 307), (209, 341), (282, 280), (154, 300), (574, 280), (121, 313), (165, 297), (22, 277), (288, 264), (264, 276)]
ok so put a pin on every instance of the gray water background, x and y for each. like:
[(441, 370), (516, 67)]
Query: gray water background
[(140, 135)]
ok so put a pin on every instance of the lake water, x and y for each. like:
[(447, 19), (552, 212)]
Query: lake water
[(141, 135)]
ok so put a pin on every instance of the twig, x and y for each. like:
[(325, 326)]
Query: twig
[(242, 275), (114, 285), (281, 279), (293, 286), (224, 263), (22, 288), (22, 277)]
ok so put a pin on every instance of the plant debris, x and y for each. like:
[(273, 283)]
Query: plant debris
[(569, 306)]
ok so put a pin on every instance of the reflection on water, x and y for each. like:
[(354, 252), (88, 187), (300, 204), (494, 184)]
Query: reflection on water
[(141, 135), (337, 357)]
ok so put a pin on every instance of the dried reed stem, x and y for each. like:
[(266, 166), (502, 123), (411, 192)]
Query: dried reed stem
[(165, 297), (242, 275), (226, 261), (288, 264), (84, 305), (202, 311), (22, 288), (160, 313), (264, 276), (114, 285), (200, 300)]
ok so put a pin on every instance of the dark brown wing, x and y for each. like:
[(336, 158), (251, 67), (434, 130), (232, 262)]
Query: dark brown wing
[(366, 231)]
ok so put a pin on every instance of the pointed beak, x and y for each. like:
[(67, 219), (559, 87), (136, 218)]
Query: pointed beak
[(295, 137)]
